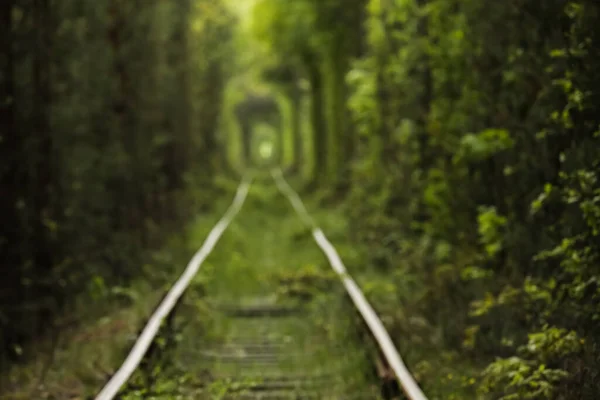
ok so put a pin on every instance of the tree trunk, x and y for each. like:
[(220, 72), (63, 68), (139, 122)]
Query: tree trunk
[(43, 246), (10, 149), (296, 99), (317, 118)]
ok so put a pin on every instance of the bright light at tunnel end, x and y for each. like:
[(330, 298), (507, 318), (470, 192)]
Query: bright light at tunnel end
[(266, 150)]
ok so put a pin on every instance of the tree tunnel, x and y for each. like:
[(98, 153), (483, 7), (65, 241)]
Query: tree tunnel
[(277, 114), (453, 144), (255, 115)]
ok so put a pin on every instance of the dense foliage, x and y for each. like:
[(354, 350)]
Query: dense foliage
[(460, 136), (499, 197), (313, 42), (108, 114), (474, 181)]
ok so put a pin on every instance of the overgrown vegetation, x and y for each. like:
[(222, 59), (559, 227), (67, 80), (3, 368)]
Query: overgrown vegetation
[(460, 138), (474, 185), (108, 115)]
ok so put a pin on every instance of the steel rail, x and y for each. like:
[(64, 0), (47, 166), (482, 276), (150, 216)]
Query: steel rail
[(131, 363), (405, 378)]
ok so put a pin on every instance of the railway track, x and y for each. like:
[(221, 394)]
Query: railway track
[(261, 342), (273, 351)]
